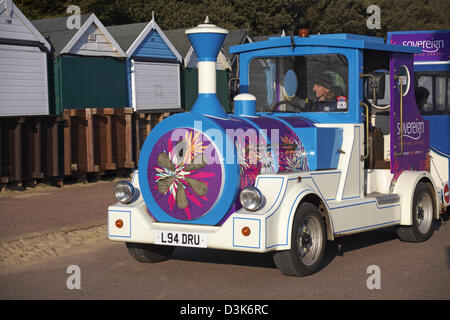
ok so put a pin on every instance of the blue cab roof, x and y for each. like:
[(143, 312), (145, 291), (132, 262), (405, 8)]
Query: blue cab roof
[(343, 40)]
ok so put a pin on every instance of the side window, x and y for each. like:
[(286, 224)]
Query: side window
[(448, 92), (309, 83), (440, 94), (424, 94), (433, 92)]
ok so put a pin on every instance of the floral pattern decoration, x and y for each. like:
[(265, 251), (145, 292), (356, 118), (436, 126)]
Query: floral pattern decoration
[(180, 176)]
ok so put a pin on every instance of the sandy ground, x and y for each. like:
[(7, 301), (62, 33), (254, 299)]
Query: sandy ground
[(47, 221), (31, 249)]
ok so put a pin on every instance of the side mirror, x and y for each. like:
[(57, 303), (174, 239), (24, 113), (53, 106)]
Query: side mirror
[(375, 85)]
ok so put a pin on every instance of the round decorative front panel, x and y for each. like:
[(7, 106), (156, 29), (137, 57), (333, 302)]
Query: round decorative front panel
[(185, 174)]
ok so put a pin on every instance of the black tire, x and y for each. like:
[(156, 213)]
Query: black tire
[(423, 213), (307, 245), (149, 253)]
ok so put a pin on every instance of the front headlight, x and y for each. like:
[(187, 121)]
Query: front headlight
[(251, 198), (124, 191)]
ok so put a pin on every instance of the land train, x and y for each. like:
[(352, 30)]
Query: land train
[(313, 151)]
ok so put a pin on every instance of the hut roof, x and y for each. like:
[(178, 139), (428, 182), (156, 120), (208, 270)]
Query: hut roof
[(125, 34), (56, 32), (62, 38)]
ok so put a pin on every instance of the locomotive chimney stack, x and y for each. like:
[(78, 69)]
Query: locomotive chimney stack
[(207, 39)]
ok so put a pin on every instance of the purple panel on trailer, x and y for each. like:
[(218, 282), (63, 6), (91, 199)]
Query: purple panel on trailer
[(416, 130), (435, 45)]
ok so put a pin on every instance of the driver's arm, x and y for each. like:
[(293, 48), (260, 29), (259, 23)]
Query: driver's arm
[(297, 100)]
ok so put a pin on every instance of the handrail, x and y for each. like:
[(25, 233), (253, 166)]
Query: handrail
[(398, 154), (364, 157)]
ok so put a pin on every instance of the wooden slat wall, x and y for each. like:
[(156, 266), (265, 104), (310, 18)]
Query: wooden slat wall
[(87, 141), (97, 140), (29, 148)]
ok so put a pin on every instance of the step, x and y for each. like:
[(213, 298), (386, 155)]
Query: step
[(384, 198)]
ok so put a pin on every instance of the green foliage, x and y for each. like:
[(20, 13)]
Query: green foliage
[(260, 17)]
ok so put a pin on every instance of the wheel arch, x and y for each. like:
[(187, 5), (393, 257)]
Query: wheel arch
[(283, 222), (403, 188), (429, 181), (320, 204)]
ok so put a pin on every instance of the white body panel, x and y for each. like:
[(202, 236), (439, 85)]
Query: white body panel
[(271, 225), (351, 184), (378, 180), (23, 81), (354, 200), (155, 85), (439, 168)]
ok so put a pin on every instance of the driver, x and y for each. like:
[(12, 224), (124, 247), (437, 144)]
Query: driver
[(322, 88), (326, 98)]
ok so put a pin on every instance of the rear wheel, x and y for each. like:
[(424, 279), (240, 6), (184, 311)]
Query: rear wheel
[(307, 245), (422, 214), (149, 253)]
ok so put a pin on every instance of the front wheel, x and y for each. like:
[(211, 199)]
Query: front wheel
[(149, 253), (422, 214), (308, 243)]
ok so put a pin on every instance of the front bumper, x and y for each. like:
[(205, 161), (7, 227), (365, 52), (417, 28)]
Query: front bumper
[(269, 226), (137, 225)]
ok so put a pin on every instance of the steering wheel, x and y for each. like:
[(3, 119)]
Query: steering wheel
[(292, 103)]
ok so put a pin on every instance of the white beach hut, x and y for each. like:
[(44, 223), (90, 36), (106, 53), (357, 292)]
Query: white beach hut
[(23, 65)]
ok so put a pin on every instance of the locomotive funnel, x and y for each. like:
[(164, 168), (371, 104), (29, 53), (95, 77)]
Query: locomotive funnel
[(207, 39)]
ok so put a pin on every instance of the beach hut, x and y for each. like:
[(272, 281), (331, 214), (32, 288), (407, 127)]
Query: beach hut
[(153, 67), (23, 65), (90, 94), (89, 65), (28, 135), (153, 75)]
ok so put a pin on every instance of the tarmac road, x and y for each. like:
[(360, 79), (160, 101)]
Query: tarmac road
[(107, 271)]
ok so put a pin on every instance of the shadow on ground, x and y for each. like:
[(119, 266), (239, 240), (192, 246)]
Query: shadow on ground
[(264, 260)]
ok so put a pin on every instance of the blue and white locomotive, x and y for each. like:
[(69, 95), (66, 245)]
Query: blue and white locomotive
[(314, 150)]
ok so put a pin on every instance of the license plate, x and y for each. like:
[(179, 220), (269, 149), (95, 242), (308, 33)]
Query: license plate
[(184, 239)]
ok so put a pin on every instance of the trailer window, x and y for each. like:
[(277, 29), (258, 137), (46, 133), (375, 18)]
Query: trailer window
[(440, 94), (424, 94), (433, 92), (311, 83)]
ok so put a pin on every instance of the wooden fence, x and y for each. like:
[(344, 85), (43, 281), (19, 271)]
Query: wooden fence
[(29, 148), (86, 141)]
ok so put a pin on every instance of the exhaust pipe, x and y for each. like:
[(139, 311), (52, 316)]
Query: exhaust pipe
[(207, 39)]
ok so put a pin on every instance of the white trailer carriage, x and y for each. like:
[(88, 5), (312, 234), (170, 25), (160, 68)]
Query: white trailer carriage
[(297, 164)]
